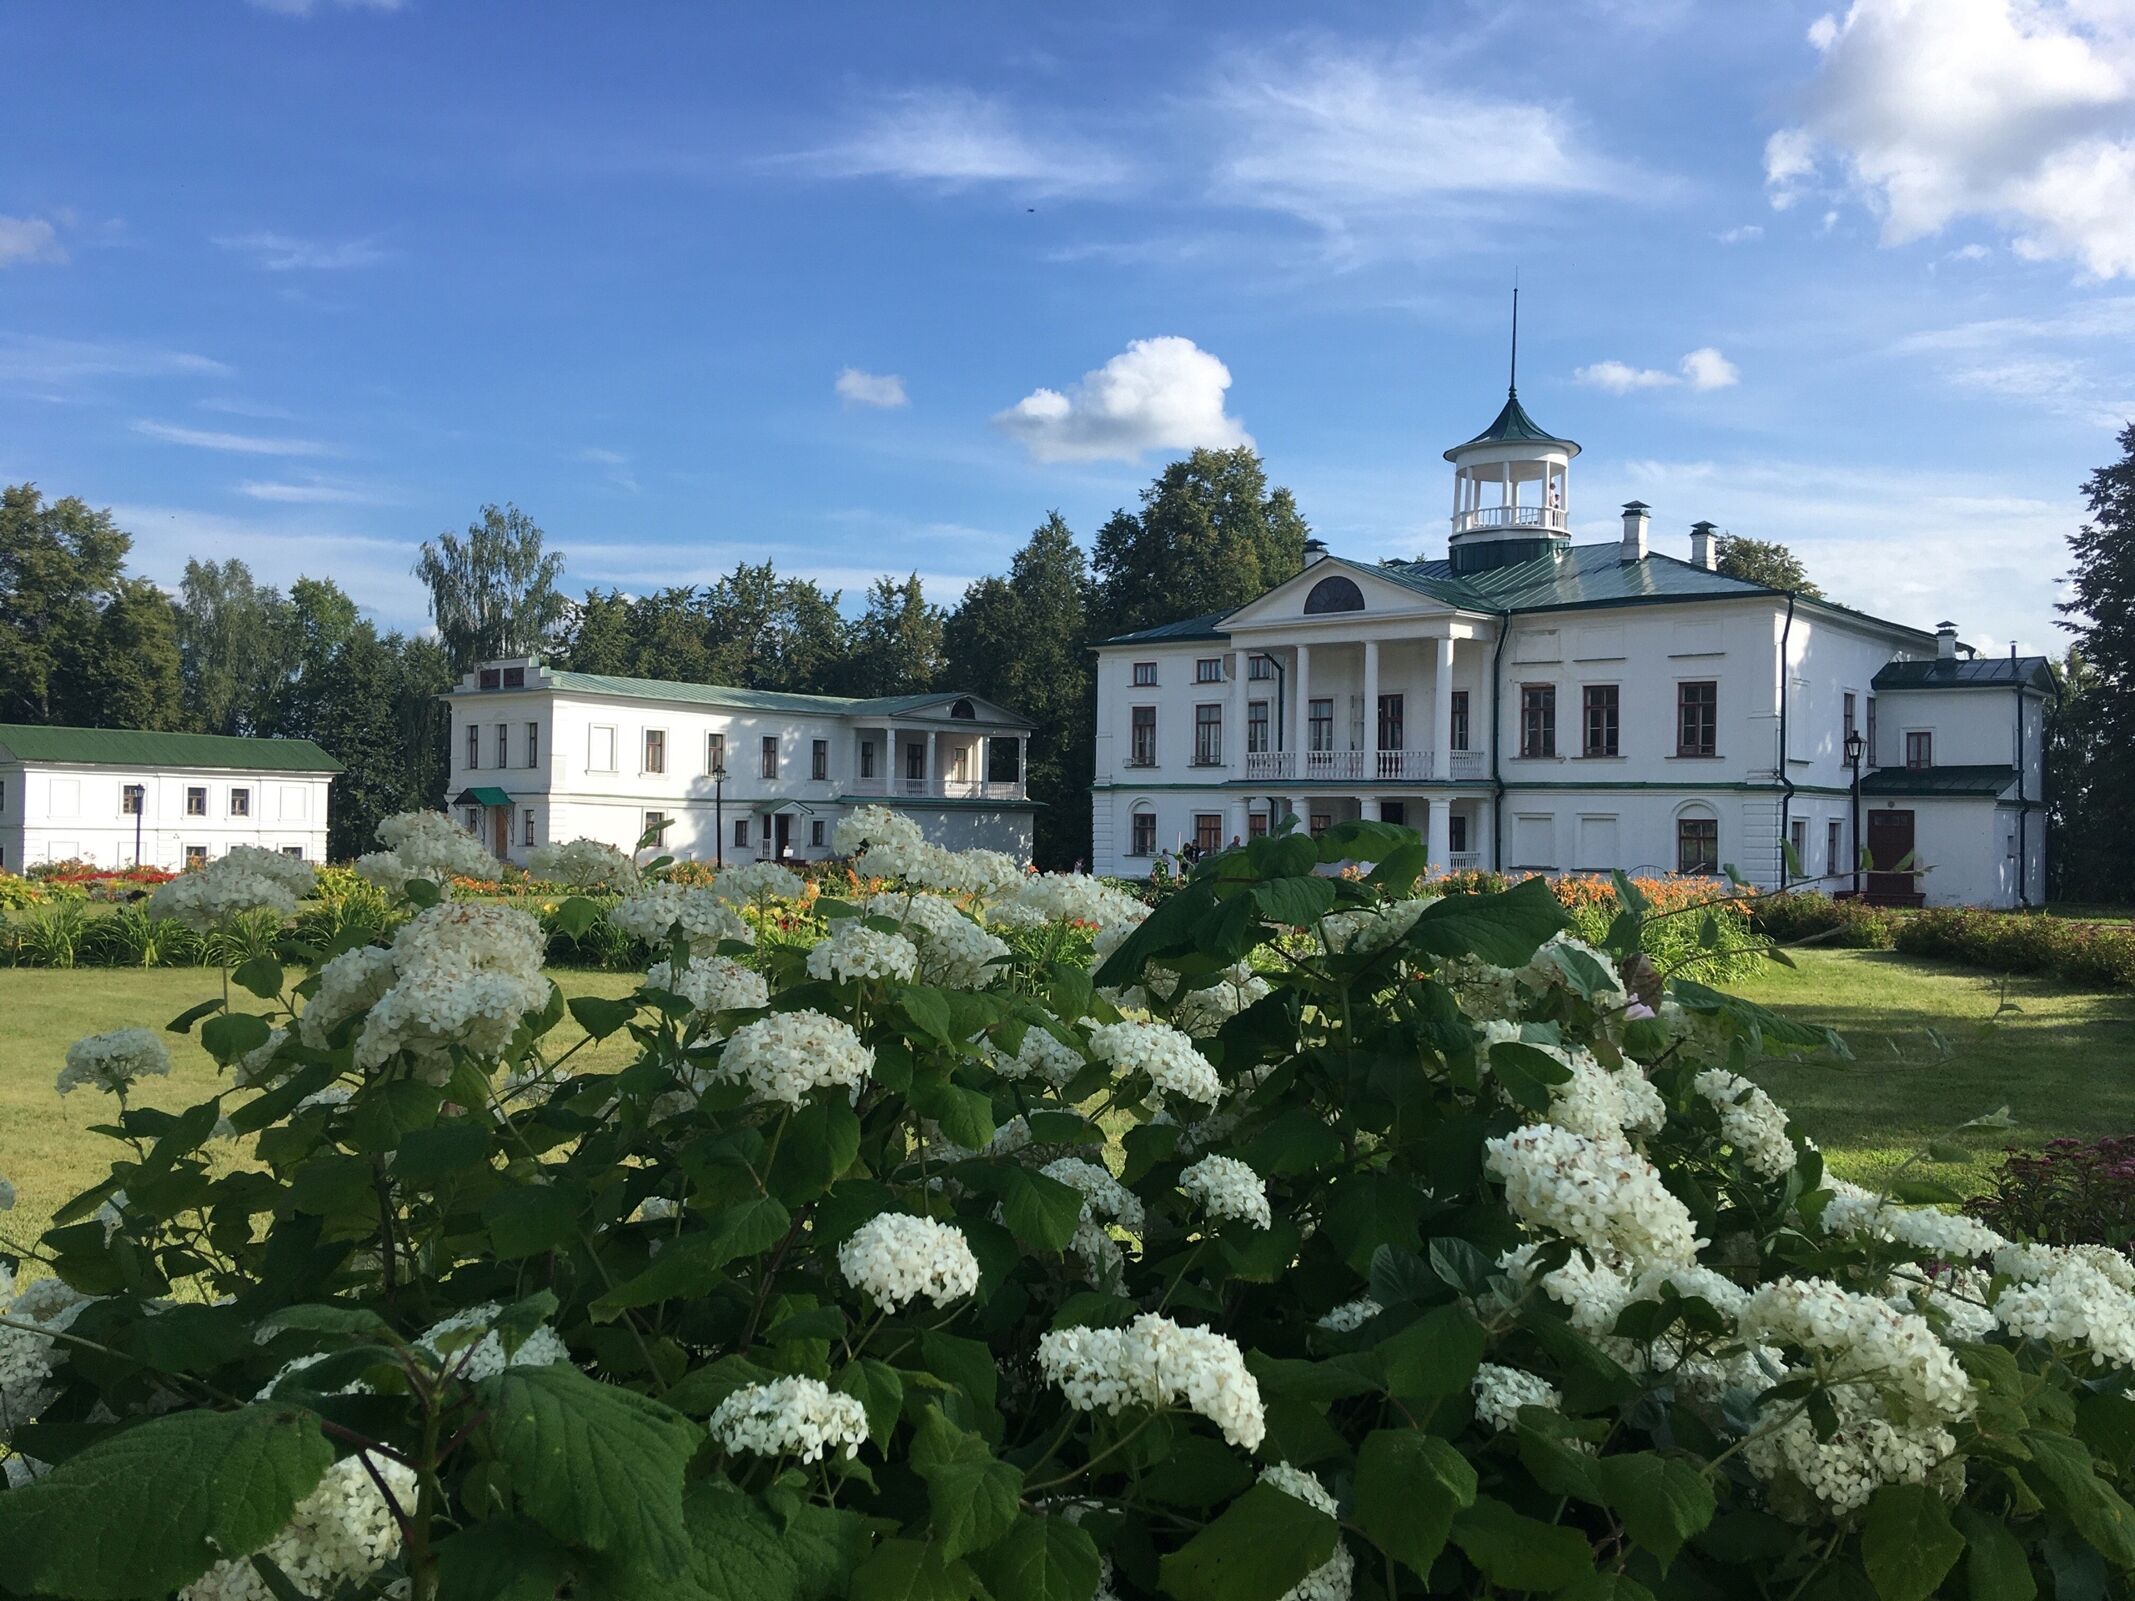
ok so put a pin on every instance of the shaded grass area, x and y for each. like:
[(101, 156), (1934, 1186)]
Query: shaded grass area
[(1935, 1044), (46, 1147)]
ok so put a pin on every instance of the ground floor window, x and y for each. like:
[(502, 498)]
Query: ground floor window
[(471, 818), (741, 831), (1256, 824), (294, 852), (815, 833), (526, 827), (1697, 845), (1798, 842), (1141, 836), (1208, 832), (1834, 846), (1321, 822), (1456, 833), (656, 824), (196, 856)]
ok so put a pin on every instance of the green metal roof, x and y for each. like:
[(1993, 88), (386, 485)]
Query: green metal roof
[(131, 747), (1512, 426), (482, 795), (1206, 626), (1982, 779), (761, 700), (1983, 672), (1582, 575)]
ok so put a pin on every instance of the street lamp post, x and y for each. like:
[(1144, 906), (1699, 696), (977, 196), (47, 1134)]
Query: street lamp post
[(1854, 747), (719, 815)]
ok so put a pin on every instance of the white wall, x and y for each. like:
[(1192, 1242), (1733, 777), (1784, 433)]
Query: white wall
[(51, 812)]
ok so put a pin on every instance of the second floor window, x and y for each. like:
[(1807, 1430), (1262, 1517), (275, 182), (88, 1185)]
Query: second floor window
[(1144, 674), (770, 756), (1259, 667), (533, 744), (819, 759), (474, 746), (1208, 736), (1846, 723), (1256, 727), (1697, 719), (1208, 670), (504, 745), (655, 750), (1538, 719), (1322, 721), (867, 758), (1869, 733), (1919, 748), (1392, 729), (1141, 738), (1598, 711), (196, 801), (130, 798), (1459, 719), (714, 753), (240, 803)]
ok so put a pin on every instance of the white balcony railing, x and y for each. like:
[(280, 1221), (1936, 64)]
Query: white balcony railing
[(1265, 765), (1463, 861), (1404, 766), (1386, 767), (1466, 764), (1491, 519), (939, 788)]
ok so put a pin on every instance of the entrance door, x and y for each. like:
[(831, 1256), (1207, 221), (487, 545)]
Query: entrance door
[(781, 836), (1395, 812), (500, 831), (1890, 841)]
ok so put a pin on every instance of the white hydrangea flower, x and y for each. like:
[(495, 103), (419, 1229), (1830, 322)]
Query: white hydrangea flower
[(351, 983), (856, 952), (1595, 1101), (1592, 1289), (1333, 1579), (427, 845), (1103, 1198), (1544, 972), (1483, 991), (990, 873), (790, 1416), (1750, 1120), (1959, 1294), (110, 1062), (784, 1056), (245, 878), (1370, 929), (1501, 1391), (897, 1258), (954, 951), (339, 1536), (584, 864), (656, 911), (486, 1357), (757, 881), (1203, 1011), (1079, 898), (1165, 1053), (1869, 1449), (465, 973), (1350, 1315), (1154, 1362), (29, 1355), (1604, 1196), (1039, 1056), (1859, 1335), (712, 984), (1948, 1236), (2074, 1298), (1227, 1189), (867, 826), (256, 1064)]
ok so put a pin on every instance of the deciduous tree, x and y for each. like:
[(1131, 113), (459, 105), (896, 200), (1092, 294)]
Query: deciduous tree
[(1766, 562), (494, 592)]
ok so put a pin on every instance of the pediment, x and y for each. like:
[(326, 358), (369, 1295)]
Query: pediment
[(1380, 596)]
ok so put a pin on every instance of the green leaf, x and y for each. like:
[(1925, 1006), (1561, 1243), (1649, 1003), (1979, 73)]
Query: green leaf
[(1605, 1587), (1039, 1211), (1908, 1542), (501, 1559), (1504, 930), (694, 1264), (1042, 1559), (910, 1570), (2061, 1472), (972, 1494), (261, 974), (385, 1114), (1434, 1356), (596, 1465), (1294, 902), (965, 1116), (875, 1385), (427, 1155), (529, 1221), (1519, 1552), (150, 1509), (1663, 1501), (1526, 1072), (1409, 1486), (575, 916), (231, 1035), (819, 1145), (599, 1016), (1994, 1564), (929, 1011), (184, 1021), (1265, 1542)]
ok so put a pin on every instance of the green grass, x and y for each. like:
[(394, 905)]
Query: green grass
[(1935, 1044)]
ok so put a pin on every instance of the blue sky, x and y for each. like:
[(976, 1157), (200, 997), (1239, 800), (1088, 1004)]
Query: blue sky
[(862, 288)]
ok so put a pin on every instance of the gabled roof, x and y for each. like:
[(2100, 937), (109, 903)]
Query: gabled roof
[(1583, 575), (1206, 626), (1963, 779), (1512, 426), (1980, 672), (759, 700), (132, 747)]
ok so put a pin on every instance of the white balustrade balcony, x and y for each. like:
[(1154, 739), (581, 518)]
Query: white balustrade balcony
[(1264, 765), (1492, 519), (1463, 861), (1383, 767), (1000, 789)]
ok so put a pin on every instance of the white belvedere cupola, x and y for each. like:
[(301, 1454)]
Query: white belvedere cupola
[(1511, 486)]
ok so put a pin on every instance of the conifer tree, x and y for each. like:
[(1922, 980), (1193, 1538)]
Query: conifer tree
[(2101, 614)]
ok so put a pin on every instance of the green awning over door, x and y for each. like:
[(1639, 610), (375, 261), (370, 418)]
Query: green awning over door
[(483, 796)]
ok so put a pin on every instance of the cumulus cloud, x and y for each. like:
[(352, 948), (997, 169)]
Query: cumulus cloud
[(237, 444), (28, 239), (281, 252), (1703, 368), (1157, 394), (857, 388), (957, 137), (2021, 112)]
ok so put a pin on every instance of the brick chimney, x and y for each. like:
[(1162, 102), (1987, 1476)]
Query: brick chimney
[(1635, 523), (1704, 546)]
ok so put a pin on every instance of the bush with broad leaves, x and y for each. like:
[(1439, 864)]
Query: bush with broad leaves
[(1318, 1243)]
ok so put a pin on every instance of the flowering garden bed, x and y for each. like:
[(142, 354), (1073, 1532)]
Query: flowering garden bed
[(1311, 1237)]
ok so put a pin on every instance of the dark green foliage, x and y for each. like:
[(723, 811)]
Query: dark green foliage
[(1766, 562), (492, 592), (2093, 768)]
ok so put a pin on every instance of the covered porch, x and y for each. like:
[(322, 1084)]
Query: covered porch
[(1404, 709), (953, 760)]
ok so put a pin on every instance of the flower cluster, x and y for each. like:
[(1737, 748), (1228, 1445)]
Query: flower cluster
[(1154, 1362), (246, 878), (1333, 1579), (1350, 1315), (954, 951), (584, 864), (784, 1056), (483, 1358), (29, 1351), (2076, 1298), (1226, 1189), (1373, 928), (659, 911), (426, 845), (897, 1258), (856, 952), (711, 984), (1165, 1054), (339, 1535), (791, 1416), (1039, 1055), (347, 985), (1601, 1195), (1104, 1199), (113, 1061), (1947, 1236), (1750, 1120), (1078, 898), (464, 974), (1501, 1391), (757, 881), (866, 828)]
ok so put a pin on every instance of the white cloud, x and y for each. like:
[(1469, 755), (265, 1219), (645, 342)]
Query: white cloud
[(1740, 236), (957, 137), (1703, 368), (1971, 252), (28, 239), (31, 358), (239, 444), (871, 389), (281, 252), (618, 467), (310, 491), (2021, 112), (1157, 394)]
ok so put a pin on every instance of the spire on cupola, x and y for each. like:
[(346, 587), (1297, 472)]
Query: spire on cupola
[(1511, 484)]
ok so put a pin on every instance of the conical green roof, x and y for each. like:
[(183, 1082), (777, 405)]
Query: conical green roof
[(1512, 427)]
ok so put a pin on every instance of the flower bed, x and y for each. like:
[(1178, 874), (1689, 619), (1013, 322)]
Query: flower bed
[(1302, 1237)]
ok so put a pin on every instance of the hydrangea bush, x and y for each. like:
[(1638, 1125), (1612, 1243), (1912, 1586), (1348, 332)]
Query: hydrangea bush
[(1325, 1240)]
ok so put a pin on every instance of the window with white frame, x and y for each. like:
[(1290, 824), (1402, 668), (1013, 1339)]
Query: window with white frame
[(240, 802), (819, 759), (504, 744), (714, 753), (196, 800), (131, 797), (1208, 670), (526, 826), (769, 765), (655, 750), (533, 744), (474, 746), (1697, 844), (600, 748), (1208, 736), (1834, 846), (1141, 834)]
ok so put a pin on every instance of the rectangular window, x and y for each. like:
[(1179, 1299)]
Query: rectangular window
[(1697, 719), (1919, 748), (1393, 733), (656, 824), (741, 831), (600, 748), (769, 756), (1259, 667), (1597, 704), (1141, 739), (533, 744), (1322, 724), (1459, 734), (1208, 832), (1208, 736), (1870, 732), (867, 758), (1457, 833), (130, 798), (526, 826), (504, 745), (294, 852), (196, 800), (1256, 825), (655, 750), (1208, 669), (515, 678), (1141, 834), (815, 833), (714, 753), (1846, 719), (1697, 845), (1256, 727), (471, 818), (1144, 674), (488, 678), (915, 762), (1834, 846), (1798, 837), (474, 746), (196, 856), (240, 803), (819, 759), (1320, 823), (1538, 719)]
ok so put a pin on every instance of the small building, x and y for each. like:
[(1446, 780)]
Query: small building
[(540, 755), (122, 797), (1527, 703)]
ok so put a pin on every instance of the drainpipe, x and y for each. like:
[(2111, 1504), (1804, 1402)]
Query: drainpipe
[(1786, 781), (2045, 800), (1497, 738)]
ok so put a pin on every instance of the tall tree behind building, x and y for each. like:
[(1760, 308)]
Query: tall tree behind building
[(1210, 535), (231, 646), (1766, 562), (494, 592), (894, 647), (2100, 612)]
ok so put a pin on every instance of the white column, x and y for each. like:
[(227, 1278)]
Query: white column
[(1368, 808), (1438, 843), (1506, 488), (1022, 766), (1234, 717), (1302, 709), (1479, 840), (1371, 710), (932, 772), (1442, 711), (1238, 810)]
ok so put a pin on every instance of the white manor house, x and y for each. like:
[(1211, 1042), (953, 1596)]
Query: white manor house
[(1528, 704), (542, 756)]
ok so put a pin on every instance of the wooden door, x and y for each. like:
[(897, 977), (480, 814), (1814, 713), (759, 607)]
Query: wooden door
[(500, 828), (1890, 841), (782, 836)]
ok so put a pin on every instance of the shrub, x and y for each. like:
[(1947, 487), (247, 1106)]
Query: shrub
[(1847, 924), (2098, 954), (133, 936), (2075, 1192), (17, 893), (1693, 925), (51, 935), (1318, 1229)]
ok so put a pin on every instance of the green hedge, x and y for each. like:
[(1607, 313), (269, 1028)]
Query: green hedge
[(2099, 955)]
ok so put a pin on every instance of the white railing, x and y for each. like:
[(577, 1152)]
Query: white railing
[(1463, 861), (1270, 764), (1466, 764), (1482, 519), (1404, 766), (1386, 766), (1334, 764), (939, 788)]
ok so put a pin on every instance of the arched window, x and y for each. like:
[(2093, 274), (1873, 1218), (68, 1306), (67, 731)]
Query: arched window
[(1334, 594), (962, 708), (1697, 839), (1141, 826)]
